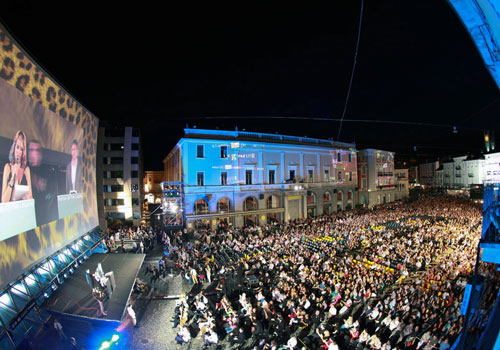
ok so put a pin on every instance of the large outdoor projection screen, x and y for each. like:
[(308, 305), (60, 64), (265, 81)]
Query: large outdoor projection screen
[(47, 163)]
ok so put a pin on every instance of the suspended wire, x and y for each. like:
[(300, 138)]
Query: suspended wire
[(375, 121), (352, 73), (481, 110)]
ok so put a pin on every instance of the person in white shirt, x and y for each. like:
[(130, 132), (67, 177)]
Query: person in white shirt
[(211, 338), (183, 336)]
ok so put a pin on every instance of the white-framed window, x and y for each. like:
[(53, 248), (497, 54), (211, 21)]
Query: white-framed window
[(339, 176), (310, 175), (326, 175)]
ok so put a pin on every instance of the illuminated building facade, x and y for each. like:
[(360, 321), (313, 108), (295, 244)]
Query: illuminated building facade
[(243, 178), (377, 182), (402, 183), (427, 174), (152, 185), (492, 168), (119, 172)]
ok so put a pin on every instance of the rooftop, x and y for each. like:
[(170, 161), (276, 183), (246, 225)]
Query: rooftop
[(263, 137)]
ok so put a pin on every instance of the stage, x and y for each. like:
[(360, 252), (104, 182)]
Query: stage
[(74, 298)]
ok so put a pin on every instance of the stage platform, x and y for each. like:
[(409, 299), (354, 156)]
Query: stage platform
[(74, 298)]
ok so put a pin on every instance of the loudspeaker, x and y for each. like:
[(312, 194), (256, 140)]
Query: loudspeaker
[(261, 196)]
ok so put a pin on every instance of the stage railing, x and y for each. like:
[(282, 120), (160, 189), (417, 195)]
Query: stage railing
[(20, 313)]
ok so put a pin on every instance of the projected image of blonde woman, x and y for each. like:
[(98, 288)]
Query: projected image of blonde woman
[(16, 184)]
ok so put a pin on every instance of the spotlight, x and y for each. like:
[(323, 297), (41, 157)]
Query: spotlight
[(104, 345), (65, 275), (115, 338), (46, 295)]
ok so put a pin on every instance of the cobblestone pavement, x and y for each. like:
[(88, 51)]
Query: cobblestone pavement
[(154, 327)]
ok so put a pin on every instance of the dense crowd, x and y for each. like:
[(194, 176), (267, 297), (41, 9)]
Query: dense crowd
[(388, 278)]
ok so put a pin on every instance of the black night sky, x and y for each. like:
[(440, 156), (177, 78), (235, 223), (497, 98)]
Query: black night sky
[(160, 68)]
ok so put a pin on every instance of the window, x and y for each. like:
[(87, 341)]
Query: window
[(350, 175), (363, 170), (363, 183), (113, 202), (200, 151), (105, 175), (134, 174), (134, 188), (116, 188), (136, 132), (223, 152), (116, 174), (310, 175), (350, 157), (223, 205), (250, 203), (339, 157), (223, 179), (105, 189), (135, 147), (115, 160), (134, 160), (271, 176), (248, 177), (339, 177), (200, 178), (135, 201), (200, 207), (292, 175), (326, 175), (116, 146)]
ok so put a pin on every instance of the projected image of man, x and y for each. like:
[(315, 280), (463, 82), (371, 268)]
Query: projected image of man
[(44, 185), (74, 171), (16, 184)]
